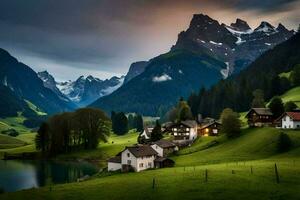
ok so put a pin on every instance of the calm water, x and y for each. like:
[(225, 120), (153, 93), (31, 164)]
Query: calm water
[(17, 175)]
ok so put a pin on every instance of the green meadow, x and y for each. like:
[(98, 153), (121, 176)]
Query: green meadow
[(212, 168)]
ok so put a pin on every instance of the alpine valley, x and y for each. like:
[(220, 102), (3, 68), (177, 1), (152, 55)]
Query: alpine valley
[(203, 54)]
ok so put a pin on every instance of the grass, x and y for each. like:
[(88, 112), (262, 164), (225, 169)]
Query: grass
[(114, 145), (292, 95), (10, 142), (228, 164), (285, 74), (35, 108)]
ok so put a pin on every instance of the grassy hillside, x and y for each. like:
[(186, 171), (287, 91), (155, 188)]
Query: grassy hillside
[(231, 178), (10, 142), (292, 95)]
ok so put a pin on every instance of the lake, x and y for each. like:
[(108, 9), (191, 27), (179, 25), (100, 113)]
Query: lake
[(23, 174)]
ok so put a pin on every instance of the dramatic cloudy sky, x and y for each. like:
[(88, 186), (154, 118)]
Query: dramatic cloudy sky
[(102, 37)]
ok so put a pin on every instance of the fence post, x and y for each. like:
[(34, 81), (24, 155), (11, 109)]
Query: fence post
[(276, 174), (251, 169), (232, 172), (206, 176), (153, 183)]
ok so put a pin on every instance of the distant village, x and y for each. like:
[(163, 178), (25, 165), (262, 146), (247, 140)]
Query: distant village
[(183, 133)]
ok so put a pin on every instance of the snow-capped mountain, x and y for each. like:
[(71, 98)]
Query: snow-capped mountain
[(82, 91), (236, 44), (203, 54)]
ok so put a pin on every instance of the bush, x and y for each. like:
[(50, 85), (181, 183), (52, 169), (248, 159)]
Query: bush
[(284, 143), (10, 132), (231, 124), (1, 190)]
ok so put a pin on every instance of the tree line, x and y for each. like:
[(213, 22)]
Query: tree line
[(121, 124), (73, 131)]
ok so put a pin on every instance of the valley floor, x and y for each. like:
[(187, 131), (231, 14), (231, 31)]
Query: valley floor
[(228, 164)]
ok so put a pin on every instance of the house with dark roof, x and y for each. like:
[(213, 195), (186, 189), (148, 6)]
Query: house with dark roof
[(289, 120), (133, 158), (164, 147), (258, 117), (184, 131), (209, 128)]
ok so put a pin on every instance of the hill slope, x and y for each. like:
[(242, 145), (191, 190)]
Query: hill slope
[(165, 80)]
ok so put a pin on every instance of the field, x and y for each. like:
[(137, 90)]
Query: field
[(228, 163), (292, 95)]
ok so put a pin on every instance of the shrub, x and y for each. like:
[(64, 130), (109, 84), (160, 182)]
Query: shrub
[(10, 132), (284, 143)]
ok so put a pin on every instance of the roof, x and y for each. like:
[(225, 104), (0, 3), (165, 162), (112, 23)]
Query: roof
[(189, 123), (294, 115), (148, 131), (164, 143), (116, 159), (141, 150), (162, 159), (261, 111), (209, 124)]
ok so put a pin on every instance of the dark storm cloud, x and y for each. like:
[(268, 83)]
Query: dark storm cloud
[(106, 34)]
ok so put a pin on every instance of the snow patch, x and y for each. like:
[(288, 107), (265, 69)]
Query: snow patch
[(215, 43), (225, 72), (110, 90), (268, 44), (180, 72), (162, 78)]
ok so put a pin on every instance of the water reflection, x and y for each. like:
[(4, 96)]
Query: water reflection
[(17, 175)]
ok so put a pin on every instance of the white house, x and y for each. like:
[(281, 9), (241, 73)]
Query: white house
[(137, 158), (290, 120), (147, 132), (164, 147), (114, 164)]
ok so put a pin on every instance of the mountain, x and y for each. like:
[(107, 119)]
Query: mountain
[(10, 104), (135, 69), (83, 91), (49, 82), (203, 54), (263, 73), (25, 84), (165, 79), (237, 44)]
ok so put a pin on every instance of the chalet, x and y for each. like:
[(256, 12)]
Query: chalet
[(258, 117), (135, 158), (184, 131), (161, 162), (147, 133), (289, 120), (164, 147), (211, 128)]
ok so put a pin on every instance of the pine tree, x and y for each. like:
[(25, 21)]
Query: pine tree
[(156, 132), (258, 100), (276, 106)]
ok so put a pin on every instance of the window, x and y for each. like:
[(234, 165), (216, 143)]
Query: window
[(128, 162), (298, 126), (175, 129), (175, 133), (149, 164), (187, 129), (141, 165), (128, 155)]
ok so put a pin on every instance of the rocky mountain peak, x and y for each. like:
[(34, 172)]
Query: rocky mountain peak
[(240, 25), (265, 27)]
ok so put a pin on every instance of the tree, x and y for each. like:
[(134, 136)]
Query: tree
[(290, 106), (156, 132), (70, 131), (120, 123), (276, 106), (139, 123), (284, 143), (295, 76), (131, 121), (258, 100), (231, 124)]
